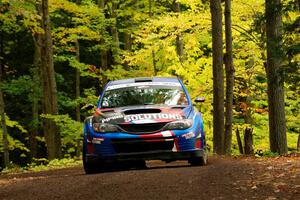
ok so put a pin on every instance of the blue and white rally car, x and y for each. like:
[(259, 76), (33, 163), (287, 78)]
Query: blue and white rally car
[(143, 119)]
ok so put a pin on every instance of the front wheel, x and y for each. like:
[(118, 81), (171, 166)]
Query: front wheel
[(140, 164), (199, 161), (89, 168)]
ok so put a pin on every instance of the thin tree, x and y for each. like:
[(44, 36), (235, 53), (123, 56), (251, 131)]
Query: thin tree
[(2, 112), (229, 68), (52, 135), (103, 51), (153, 52), (277, 123), (179, 39), (114, 30), (298, 143), (218, 77), (36, 95), (77, 87)]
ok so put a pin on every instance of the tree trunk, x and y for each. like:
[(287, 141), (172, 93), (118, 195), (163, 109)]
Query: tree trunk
[(218, 78), (154, 63), (4, 129), (36, 97), (77, 96), (298, 143), (77, 89), (77, 74), (153, 52), (2, 113), (114, 32), (248, 141), (34, 129), (127, 41), (239, 141), (275, 75), (77, 84), (179, 39), (229, 68), (52, 135), (101, 4), (3, 122), (103, 51), (127, 45), (150, 8)]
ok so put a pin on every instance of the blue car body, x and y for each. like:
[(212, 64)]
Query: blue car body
[(144, 132)]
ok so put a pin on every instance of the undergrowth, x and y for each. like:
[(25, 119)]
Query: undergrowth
[(43, 165)]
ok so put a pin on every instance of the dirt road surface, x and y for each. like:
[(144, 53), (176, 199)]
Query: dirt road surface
[(224, 178)]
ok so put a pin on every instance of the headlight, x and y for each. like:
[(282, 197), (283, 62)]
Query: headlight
[(179, 125), (104, 127)]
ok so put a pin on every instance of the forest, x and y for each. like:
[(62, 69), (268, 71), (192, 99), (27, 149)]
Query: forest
[(57, 55)]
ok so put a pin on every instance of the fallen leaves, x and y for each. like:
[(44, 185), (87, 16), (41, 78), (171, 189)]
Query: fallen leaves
[(271, 178)]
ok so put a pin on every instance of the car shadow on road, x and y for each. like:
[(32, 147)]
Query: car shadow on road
[(151, 165)]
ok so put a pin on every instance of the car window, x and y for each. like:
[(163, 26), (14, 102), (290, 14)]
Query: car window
[(144, 95)]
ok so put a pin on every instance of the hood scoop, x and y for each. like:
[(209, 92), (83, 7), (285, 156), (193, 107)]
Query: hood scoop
[(178, 107), (142, 111), (108, 111)]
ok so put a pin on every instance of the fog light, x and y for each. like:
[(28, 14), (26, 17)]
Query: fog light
[(189, 135), (97, 140)]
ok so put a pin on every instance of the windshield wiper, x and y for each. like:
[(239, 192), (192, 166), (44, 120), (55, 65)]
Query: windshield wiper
[(149, 104), (108, 107)]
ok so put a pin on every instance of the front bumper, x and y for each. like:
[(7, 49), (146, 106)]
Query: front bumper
[(154, 155)]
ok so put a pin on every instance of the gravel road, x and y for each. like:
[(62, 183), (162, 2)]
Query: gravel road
[(223, 178)]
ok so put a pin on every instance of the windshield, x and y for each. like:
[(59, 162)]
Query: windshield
[(144, 95)]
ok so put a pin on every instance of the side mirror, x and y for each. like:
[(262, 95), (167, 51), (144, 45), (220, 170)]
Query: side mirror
[(199, 100), (87, 107)]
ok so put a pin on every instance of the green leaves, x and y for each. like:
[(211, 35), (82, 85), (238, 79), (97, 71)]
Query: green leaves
[(71, 130)]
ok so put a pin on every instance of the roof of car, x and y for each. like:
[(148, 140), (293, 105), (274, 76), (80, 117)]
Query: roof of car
[(144, 79)]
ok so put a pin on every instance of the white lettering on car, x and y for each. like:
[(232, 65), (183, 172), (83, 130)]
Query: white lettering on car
[(130, 118), (112, 118)]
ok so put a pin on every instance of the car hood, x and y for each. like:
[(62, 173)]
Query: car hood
[(141, 114)]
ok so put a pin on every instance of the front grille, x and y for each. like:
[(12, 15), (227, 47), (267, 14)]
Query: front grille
[(142, 128), (142, 145)]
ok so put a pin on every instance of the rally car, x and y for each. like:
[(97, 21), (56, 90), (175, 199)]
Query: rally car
[(143, 119)]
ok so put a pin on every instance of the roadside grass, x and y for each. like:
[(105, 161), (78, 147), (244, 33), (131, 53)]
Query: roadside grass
[(43, 165)]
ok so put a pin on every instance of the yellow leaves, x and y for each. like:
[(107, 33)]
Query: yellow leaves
[(81, 22), (11, 123), (13, 143), (23, 12), (243, 94), (62, 4), (64, 36), (194, 5), (82, 14)]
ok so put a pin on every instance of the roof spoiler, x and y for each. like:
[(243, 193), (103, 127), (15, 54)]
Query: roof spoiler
[(143, 79)]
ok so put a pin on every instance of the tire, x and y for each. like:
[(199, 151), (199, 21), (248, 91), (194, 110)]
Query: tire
[(199, 161), (89, 168), (140, 164)]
